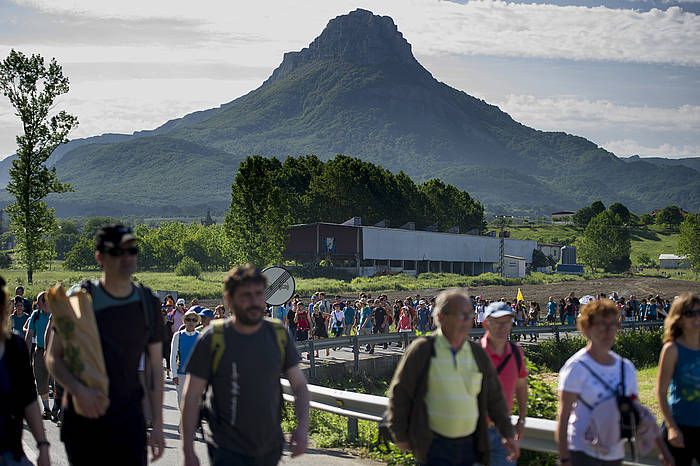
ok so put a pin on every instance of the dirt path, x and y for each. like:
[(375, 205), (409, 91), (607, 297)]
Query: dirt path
[(640, 286)]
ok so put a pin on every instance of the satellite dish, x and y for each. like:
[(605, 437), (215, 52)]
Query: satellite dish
[(280, 285)]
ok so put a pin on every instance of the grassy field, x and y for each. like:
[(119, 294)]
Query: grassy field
[(210, 284), (652, 240)]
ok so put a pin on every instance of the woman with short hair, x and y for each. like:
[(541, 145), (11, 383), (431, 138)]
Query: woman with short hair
[(591, 377), (678, 380)]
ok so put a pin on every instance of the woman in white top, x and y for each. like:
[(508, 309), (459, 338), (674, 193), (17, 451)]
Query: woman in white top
[(589, 378)]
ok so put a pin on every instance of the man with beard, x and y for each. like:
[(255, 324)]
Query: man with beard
[(239, 364)]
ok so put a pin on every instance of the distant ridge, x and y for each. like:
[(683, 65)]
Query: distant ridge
[(358, 90)]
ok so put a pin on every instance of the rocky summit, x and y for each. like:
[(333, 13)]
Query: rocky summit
[(358, 90)]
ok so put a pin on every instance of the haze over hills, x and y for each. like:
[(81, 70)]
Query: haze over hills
[(358, 90)]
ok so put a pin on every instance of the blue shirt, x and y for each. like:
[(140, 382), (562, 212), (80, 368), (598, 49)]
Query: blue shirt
[(185, 344), (551, 308), (280, 312), (349, 315), (18, 322), (423, 315), (684, 390), (38, 323), (365, 320)]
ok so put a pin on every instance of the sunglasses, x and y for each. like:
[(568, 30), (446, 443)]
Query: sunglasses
[(118, 252), (691, 313), (190, 320)]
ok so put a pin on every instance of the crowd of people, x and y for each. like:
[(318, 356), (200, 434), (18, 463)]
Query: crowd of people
[(320, 317), (450, 399)]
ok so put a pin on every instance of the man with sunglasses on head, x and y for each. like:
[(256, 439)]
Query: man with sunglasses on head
[(129, 323)]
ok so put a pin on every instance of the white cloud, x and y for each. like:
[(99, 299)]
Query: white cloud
[(627, 147), (479, 27), (563, 113), (125, 106)]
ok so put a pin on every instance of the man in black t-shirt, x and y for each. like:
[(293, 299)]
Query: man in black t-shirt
[(242, 371), (113, 430)]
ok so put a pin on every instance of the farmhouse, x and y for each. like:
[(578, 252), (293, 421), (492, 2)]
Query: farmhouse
[(672, 261)]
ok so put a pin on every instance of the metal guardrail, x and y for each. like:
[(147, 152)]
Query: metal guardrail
[(538, 435), (358, 341)]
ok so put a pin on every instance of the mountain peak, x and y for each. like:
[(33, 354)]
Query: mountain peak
[(359, 37)]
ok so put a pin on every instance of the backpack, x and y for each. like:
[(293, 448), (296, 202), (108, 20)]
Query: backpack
[(518, 360), (218, 342), (613, 419)]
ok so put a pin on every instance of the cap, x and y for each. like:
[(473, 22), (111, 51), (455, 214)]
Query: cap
[(180, 302), (497, 309), (112, 236), (191, 313), (208, 313), (196, 309)]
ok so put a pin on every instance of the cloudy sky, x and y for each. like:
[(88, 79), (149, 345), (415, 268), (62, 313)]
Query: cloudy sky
[(622, 73)]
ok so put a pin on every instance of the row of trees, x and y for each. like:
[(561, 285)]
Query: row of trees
[(606, 243), (162, 248), (269, 195), (670, 216)]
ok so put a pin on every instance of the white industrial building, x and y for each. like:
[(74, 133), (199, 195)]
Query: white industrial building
[(369, 250)]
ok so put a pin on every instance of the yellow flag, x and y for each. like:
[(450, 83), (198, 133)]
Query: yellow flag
[(520, 296)]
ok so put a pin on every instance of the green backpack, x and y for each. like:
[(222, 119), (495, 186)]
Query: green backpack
[(218, 342)]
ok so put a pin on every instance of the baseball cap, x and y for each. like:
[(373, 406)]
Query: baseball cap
[(497, 309), (206, 313), (180, 302), (191, 313), (112, 236), (197, 309)]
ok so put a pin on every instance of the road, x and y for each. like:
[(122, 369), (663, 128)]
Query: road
[(173, 455)]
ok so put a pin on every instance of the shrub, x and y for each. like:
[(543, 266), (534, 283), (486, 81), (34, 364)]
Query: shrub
[(188, 267), (642, 347), (5, 260), (542, 400)]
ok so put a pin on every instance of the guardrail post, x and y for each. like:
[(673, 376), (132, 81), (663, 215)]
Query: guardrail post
[(312, 360), (556, 332), (353, 429), (356, 359)]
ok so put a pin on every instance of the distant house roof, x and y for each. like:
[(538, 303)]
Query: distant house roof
[(671, 257), (563, 212)]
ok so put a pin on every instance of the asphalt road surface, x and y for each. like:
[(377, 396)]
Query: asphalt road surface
[(173, 455)]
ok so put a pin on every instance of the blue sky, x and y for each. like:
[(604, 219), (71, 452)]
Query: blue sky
[(622, 73)]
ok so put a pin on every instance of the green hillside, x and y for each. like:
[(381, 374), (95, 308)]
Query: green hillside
[(651, 240), (358, 90)]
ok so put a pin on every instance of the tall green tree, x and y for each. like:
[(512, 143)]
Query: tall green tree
[(621, 211), (689, 240), (671, 216), (259, 216), (32, 88), (585, 214), (606, 243)]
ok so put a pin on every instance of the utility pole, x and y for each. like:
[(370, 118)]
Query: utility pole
[(501, 223)]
